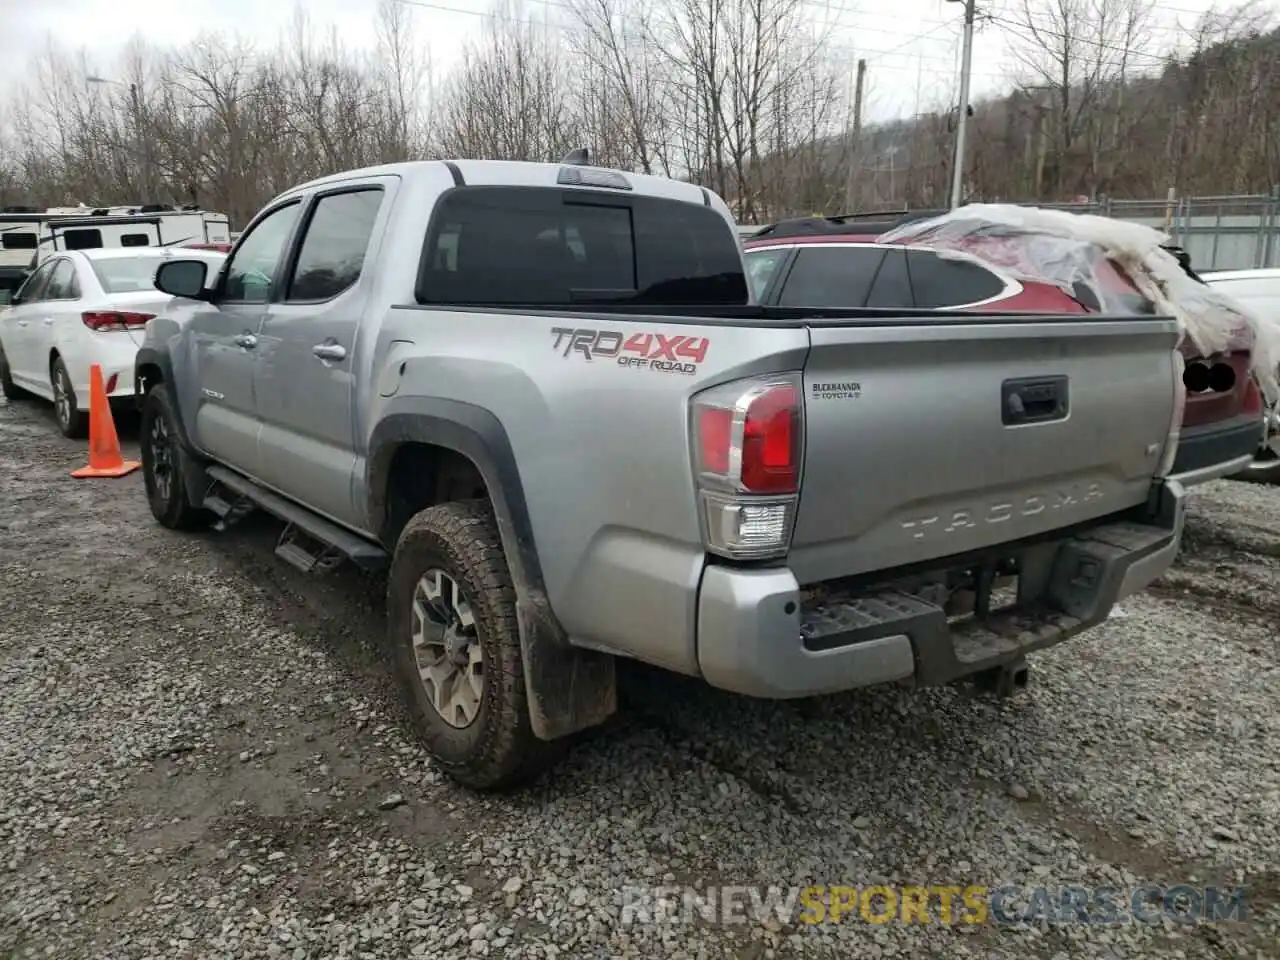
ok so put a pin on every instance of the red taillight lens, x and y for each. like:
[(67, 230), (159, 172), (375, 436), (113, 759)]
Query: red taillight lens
[(715, 437), (770, 442), (111, 382), (749, 435), (100, 320), (1252, 397)]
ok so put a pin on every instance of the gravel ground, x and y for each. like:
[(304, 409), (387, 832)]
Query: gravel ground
[(202, 755)]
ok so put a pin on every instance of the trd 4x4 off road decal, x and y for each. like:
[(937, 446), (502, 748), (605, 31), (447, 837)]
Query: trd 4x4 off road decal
[(655, 351)]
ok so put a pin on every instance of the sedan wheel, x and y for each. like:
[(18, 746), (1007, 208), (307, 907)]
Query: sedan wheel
[(71, 421)]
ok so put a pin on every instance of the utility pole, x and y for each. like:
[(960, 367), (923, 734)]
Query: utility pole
[(966, 68), (850, 187), (143, 142), (1042, 147)]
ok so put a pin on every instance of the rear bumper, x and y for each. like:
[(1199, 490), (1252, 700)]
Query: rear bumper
[(758, 634), (1217, 449)]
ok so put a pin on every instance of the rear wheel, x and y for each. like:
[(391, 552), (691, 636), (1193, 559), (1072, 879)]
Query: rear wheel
[(453, 629), (10, 389), (71, 420), (162, 454)]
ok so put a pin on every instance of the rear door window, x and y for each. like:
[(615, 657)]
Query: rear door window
[(554, 247), (939, 283), (334, 245), (832, 277), (62, 283), (892, 286), (761, 266)]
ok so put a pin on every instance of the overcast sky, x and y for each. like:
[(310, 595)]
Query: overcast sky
[(912, 46)]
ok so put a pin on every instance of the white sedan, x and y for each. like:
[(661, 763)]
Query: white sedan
[(81, 307)]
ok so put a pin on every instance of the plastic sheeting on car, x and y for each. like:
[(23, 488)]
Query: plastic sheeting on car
[(1070, 249)]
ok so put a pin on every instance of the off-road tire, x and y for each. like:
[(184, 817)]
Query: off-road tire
[(170, 503), (498, 750), (75, 424), (8, 388)]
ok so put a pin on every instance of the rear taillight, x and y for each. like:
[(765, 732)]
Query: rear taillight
[(100, 320), (748, 441)]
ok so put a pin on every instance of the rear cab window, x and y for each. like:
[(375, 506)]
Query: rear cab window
[(547, 246)]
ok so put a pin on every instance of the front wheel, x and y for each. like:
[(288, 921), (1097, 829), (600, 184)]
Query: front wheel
[(162, 475), (453, 629)]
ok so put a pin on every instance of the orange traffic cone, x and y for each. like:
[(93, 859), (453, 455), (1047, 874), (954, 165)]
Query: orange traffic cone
[(104, 446)]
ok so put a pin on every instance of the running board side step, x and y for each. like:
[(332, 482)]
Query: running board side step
[(227, 511), (309, 542)]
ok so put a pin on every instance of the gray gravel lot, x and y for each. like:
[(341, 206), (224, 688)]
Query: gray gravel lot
[(202, 755)]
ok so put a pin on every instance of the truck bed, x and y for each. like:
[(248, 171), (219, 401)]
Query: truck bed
[(903, 425)]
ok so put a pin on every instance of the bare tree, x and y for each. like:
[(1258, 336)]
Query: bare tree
[(747, 97)]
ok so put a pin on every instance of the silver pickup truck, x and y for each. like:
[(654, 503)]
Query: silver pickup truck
[(542, 395)]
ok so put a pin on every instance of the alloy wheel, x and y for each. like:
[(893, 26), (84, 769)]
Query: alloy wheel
[(447, 649), (62, 397), (161, 458)]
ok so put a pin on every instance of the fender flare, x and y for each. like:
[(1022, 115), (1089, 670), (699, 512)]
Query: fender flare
[(569, 688), (476, 434)]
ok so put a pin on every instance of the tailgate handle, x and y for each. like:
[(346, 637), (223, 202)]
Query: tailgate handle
[(1033, 400)]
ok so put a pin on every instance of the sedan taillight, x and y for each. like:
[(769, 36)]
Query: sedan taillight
[(102, 320)]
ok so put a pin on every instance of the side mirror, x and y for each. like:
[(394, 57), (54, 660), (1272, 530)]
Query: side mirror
[(183, 278)]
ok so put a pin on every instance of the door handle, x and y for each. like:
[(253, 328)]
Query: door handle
[(1034, 400), (330, 351), (22, 323), (247, 340), (48, 321)]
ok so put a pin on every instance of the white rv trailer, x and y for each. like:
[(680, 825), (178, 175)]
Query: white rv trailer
[(28, 235)]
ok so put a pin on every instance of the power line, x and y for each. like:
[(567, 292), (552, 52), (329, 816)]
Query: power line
[(1022, 28)]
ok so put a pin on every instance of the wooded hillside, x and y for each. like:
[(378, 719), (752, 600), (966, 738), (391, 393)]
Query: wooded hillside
[(748, 97)]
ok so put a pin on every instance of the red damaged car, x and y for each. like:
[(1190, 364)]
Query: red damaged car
[(840, 262)]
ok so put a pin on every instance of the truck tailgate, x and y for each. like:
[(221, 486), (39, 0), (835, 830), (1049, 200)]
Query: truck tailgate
[(938, 437)]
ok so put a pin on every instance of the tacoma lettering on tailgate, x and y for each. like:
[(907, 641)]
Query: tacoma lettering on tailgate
[(978, 515), (664, 353)]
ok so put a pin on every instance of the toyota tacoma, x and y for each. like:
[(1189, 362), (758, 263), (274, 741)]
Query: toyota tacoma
[(543, 396)]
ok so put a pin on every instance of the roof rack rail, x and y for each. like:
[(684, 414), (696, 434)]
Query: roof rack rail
[(872, 221)]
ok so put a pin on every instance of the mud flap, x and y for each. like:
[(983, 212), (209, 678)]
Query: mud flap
[(569, 689)]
